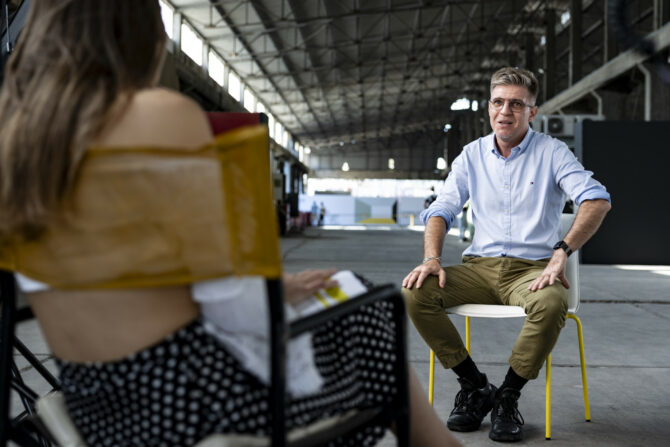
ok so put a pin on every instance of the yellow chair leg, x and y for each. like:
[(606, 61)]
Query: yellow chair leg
[(431, 376), (431, 381), (547, 414), (587, 409), (467, 334)]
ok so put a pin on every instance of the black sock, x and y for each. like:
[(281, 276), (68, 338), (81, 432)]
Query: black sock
[(468, 370), (513, 380)]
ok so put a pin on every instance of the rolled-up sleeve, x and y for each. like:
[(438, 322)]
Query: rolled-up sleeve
[(574, 180), (453, 194)]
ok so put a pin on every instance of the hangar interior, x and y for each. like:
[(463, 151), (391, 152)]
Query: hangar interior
[(393, 89)]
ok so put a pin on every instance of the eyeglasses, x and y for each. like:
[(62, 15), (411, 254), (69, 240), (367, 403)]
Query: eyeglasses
[(516, 105)]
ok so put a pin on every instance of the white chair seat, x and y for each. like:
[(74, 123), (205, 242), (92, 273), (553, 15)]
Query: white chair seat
[(487, 311), (491, 311), (501, 311)]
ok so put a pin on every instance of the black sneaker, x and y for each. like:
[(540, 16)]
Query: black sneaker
[(471, 405), (506, 421)]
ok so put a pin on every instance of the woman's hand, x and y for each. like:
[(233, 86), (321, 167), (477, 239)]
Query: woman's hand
[(298, 286)]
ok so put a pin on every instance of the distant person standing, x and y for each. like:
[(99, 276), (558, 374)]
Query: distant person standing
[(431, 198), (322, 214), (314, 214), (463, 223)]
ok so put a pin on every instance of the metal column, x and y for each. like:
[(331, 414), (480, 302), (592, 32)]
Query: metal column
[(575, 41), (550, 55), (647, 91), (529, 48), (610, 45)]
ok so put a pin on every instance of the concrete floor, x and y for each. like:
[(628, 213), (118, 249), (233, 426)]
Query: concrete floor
[(625, 313)]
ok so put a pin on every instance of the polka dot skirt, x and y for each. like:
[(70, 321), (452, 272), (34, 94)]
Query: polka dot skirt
[(188, 386)]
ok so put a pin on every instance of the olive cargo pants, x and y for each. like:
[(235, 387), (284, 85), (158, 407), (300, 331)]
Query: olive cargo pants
[(484, 280)]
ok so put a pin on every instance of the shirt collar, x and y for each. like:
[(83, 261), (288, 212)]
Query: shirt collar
[(526, 140), (491, 145)]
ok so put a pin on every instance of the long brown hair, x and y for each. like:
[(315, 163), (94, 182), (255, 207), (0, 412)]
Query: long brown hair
[(74, 59)]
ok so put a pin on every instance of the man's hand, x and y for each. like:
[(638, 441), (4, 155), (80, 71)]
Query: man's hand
[(422, 271), (553, 271), (301, 285)]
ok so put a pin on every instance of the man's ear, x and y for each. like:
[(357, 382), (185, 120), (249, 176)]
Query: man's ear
[(533, 112)]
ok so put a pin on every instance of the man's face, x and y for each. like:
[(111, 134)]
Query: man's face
[(509, 125)]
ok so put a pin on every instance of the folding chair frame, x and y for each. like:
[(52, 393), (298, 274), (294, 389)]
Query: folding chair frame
[(21, 429), (397, 412)]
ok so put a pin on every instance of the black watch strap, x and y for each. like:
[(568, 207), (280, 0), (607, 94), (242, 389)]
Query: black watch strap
[(564, 246)]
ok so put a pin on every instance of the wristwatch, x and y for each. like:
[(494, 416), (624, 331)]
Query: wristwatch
[(564, 246)]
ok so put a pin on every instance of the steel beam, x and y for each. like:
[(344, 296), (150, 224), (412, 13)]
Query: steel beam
[(15, 27), (263, 13), (621, 64), (599, 100), (263, 69), (386, 174), (311, 57)]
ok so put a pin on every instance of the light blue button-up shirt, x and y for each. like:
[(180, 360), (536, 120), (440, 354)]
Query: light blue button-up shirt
[(517, 201)]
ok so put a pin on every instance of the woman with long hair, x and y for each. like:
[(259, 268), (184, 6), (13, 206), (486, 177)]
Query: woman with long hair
[(84, 75)]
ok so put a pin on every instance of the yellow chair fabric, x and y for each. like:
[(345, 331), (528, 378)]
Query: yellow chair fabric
[(141, 217)]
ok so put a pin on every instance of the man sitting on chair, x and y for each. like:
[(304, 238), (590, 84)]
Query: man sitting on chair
[(517, 181)]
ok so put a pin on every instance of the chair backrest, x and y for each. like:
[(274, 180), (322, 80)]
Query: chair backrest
[(221, 122), (572, 268), (152, 217)]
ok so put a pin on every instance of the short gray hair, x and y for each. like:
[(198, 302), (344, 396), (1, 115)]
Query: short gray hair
[(516, 76)]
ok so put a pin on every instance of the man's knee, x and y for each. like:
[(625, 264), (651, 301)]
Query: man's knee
[(413, 301), (551, 303), (423, 299)]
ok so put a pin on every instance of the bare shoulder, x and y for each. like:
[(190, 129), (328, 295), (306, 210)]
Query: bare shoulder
[(166, 99), (179, 119), (159, 117)]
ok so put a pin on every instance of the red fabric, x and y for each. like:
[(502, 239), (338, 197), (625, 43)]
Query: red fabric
[(221, 122)]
